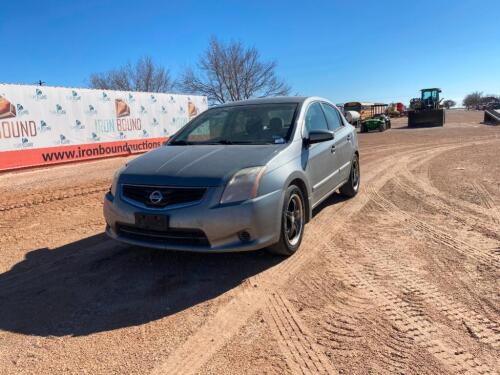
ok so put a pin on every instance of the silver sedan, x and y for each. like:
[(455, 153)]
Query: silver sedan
[(240, 176)]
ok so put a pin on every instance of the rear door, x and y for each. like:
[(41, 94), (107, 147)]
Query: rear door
[(343, 143), (319, 169)]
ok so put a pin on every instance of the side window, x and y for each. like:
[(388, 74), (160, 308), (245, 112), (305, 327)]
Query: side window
[(315, 118), (333, 117)]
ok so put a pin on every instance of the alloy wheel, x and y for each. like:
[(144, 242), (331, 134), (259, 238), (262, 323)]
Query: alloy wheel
[(294, 219)]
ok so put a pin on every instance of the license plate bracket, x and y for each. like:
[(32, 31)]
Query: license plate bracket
[(151, 221)]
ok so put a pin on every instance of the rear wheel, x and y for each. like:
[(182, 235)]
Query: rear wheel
[(293, 219), (351, 187)]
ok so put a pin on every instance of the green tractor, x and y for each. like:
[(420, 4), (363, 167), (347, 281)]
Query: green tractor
[(426, 110), (380, 122)]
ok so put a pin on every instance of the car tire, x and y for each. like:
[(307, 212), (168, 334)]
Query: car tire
[(293, 215), (363, 128), (351, 187), (381, 128)]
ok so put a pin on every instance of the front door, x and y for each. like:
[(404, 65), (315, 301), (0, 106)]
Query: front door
[(343, 151), (319, 168)]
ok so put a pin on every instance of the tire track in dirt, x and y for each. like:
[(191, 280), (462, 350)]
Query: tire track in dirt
[(487, 200), (479, 327), (301, 353), (424, 184), (435, 234), (62, 194), (410, 319), (455, 211), (355, 328), (347, 333), (198, 348)]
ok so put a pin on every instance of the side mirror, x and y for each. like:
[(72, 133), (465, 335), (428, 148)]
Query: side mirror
[(317, 136)]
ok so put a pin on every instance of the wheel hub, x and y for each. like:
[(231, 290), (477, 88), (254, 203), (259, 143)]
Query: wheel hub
[(294, 219)]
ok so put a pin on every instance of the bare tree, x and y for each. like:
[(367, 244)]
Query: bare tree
[(449, 103), (145, 75), (473, 99), (229, 72)]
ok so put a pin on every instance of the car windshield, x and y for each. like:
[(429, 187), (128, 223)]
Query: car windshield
[(241, 124)]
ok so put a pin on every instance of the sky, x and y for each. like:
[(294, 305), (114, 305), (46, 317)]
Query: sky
[(383, 51)]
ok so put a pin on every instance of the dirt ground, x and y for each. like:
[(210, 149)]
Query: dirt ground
[(402, 279)]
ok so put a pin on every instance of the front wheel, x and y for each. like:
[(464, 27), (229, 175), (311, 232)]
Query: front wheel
[(293, 220), (351, 187)]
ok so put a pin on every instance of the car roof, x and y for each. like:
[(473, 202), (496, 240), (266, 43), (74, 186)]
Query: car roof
[(268, 100)]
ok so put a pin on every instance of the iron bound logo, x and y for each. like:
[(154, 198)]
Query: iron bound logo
[(11, 127), (59, 110), (122, 123), (44, 127), (192, 110), (78, 125), (105, 97), (122, 108), (91, 110), (25, 143), (39, 95), (7, 109), (21, 111), (62, 140), (74, 96)]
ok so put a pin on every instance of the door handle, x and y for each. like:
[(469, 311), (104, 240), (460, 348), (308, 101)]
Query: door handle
[(349, 137), (332, 149)]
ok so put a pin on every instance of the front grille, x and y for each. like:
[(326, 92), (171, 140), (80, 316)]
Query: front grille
[(187, 237), (171, 195)]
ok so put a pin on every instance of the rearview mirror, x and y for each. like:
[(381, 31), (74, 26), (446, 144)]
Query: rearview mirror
[(317, 136)]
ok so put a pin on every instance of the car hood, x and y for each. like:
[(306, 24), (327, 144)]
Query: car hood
[(200, 165)]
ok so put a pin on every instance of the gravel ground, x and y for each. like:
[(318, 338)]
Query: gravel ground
[(402, 279)]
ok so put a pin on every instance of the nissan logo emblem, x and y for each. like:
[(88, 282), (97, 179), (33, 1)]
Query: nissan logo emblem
[(156, 197)]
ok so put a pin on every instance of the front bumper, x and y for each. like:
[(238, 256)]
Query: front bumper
[(221, 224)]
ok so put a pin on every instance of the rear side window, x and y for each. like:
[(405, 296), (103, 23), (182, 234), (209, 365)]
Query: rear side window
[(333, 117), (315, 119)]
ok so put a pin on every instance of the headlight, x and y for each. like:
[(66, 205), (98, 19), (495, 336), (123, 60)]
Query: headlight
[(243, 185), (114, 184)]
